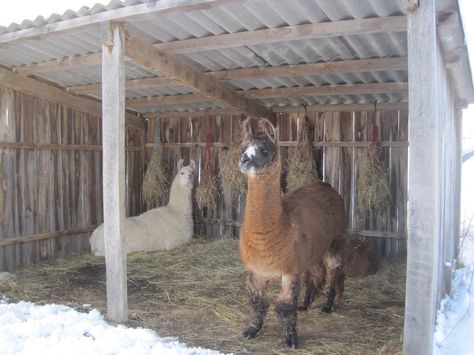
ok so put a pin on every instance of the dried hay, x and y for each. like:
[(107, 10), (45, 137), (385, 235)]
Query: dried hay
[(156, 182), (301, 165), (207, 192), (230, 173), (373, 189), (196, 293), (360, 259)]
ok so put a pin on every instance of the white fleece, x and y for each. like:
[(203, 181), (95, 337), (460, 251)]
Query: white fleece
[(161, 228)]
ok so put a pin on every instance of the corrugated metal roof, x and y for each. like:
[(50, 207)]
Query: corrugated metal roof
[(232, 17)]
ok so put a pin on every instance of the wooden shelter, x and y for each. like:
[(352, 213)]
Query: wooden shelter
[(81, 94)]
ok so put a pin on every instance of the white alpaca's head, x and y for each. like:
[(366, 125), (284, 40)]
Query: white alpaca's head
[(185, 175)]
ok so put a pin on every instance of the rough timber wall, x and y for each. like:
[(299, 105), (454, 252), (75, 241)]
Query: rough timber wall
[(51, 178), (341, 141)]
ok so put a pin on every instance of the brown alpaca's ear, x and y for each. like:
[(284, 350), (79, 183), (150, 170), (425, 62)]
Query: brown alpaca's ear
[(180, 164), (247, 126), (269, 129)]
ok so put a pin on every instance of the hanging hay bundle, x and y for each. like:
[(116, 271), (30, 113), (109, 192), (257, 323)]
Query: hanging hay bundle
[(207, 192), (301, 164), (372, 186), (156, 181), (230, 173)]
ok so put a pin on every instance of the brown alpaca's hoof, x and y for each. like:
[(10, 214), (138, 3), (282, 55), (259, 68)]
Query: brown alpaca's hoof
[(291, 341), (250, 333), (327, 308)]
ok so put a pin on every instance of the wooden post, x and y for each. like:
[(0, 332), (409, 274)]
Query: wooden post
[(423, 220), (113, 133)]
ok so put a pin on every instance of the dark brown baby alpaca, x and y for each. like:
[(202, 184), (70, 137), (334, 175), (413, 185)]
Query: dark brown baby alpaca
[(291, 238)]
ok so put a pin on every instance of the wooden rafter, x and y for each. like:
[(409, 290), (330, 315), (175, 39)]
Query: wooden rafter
[(347, 66), (93, 59), (248, 38), (135, 84), (150, 57), (288, 33), (167, 100), (344, 107), (328, 90)]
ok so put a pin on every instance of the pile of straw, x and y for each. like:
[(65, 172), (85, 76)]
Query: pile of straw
[(156, 181), (301, 164), (231, 175), (207, 192), (196, 293), (373, 189)]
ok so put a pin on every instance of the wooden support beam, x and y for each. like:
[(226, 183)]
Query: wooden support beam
[(136, 84), (113, 133), (346, 66), (424, 205), (145, 54), (327, 90), (288, 33)]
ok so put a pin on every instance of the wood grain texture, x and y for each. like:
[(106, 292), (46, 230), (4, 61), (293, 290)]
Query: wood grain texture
[(113, 139)]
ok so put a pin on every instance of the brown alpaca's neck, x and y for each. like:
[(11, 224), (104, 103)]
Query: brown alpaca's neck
[(263, 207)]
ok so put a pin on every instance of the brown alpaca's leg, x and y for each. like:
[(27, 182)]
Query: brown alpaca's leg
[(256, 287), (314, 285), (332, 263), (286, 308), (339, 286)]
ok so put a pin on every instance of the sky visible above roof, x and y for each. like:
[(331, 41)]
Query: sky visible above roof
[(20, 10)]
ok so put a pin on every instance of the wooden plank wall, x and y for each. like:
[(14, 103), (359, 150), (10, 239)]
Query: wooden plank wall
[(341, 141), (51, 178)]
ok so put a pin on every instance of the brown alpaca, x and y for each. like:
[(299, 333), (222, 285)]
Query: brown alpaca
[(291, 238)]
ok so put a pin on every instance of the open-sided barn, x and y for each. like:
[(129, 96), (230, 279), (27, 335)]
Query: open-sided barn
[(81, 95)]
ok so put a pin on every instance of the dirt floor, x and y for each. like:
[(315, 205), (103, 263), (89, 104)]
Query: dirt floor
[(195, 293)]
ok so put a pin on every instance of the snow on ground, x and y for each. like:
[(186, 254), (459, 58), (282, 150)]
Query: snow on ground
[(455, 319), (26, 328)]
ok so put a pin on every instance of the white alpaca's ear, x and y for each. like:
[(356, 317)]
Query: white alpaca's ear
[(192, 164), (180, 164)]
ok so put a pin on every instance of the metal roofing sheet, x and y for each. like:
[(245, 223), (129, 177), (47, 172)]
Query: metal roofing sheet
[(232, 17)]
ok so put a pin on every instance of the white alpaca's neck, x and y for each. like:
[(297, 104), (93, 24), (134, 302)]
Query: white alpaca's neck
[(180, 198)]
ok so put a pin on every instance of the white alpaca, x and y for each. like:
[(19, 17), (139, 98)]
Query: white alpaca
[(161, 228)]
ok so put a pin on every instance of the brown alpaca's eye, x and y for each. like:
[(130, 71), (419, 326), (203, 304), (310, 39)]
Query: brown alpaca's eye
[(264, 152)]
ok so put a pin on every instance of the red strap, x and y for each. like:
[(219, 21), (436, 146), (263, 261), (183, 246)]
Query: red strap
[(207, 160)]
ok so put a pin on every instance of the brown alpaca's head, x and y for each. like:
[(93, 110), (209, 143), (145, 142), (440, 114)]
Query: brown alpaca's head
[(259, 149)]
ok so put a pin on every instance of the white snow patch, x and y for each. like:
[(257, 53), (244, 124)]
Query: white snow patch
[(26, 328), (455, 319)]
